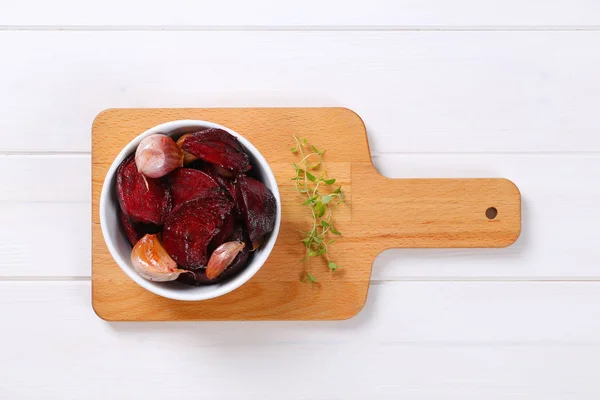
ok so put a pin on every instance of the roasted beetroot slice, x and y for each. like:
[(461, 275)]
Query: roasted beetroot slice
[(130, 231), (144, 200), (197, 164), (191, 227), (198, 277), (187, 184), (257, 206), (218, 147), (225, 183), (225, 232), (135, 231), (240, 262)]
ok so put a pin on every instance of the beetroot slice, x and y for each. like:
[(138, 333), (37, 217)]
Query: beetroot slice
[(135, 231), (190, 228), (256, 205), (198, 277), (218, 147), (142, 199), (240, 262), (197, 164), (127, 225), (188, 183), (225, 183), (225, 231)]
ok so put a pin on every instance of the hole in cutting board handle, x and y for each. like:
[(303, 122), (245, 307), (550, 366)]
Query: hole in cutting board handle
[(491, 212)]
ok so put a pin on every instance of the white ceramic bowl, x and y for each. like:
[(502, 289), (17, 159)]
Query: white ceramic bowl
[(119, 246)]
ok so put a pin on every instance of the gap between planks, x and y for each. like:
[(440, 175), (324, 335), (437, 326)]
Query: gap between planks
[(300, 28)]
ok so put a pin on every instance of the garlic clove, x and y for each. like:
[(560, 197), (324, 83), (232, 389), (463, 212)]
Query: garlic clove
[(151, 261), (157, 155), (187, 157), (222, 258)]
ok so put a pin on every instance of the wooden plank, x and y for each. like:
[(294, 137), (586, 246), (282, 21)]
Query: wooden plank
[(438, 213), (45, 239), (44, 214), (45, 178), (329, 13), (416, 91), (553, 208), (414, 339)]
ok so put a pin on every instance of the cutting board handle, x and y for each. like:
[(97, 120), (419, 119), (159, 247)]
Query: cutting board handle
[(436, 212)]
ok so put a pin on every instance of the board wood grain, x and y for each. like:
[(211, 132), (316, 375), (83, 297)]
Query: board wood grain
[(379, 213)]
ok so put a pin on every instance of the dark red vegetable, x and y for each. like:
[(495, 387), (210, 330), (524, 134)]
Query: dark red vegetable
[(191, 228), (198, 277), (225, 183), (224, 232), (135, 231), (142, 199), (218, 147), (242, 259), (188, 183), (197, 164), (257, 206), (200, 207)]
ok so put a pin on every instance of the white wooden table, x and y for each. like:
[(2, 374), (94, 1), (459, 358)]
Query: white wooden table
[(461, 88)]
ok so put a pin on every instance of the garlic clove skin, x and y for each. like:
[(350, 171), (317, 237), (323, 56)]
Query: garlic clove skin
[(157, 155), (152, 262), (187, 157), (222, 258)]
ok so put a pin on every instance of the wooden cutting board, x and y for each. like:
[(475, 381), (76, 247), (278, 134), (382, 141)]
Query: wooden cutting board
[(379, 213)]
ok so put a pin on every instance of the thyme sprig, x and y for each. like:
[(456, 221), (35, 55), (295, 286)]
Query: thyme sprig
[(313, 184)]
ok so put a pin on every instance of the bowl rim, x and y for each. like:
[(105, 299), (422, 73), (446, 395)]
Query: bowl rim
[(202, 292)]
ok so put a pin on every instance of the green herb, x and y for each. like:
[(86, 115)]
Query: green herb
[(316, 239), (309, 278)]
